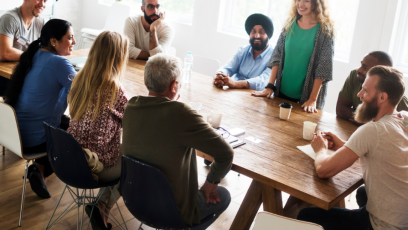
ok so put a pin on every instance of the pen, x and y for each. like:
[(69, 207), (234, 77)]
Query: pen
[(322, 134)]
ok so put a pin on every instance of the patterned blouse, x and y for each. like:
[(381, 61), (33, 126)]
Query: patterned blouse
[(102, 136), (320, 66)]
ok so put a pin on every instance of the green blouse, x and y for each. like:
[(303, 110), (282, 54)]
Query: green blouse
[(299, 45)]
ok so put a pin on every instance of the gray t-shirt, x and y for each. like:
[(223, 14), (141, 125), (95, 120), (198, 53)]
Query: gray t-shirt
[(383, 150), (12, 26)]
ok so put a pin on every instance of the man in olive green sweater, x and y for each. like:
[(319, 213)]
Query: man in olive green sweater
[(162, 132)]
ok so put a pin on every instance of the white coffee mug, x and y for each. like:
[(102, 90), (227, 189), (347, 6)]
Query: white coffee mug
[(308, 129), (214, 118)]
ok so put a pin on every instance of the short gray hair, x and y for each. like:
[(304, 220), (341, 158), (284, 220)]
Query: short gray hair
[(160, 71)]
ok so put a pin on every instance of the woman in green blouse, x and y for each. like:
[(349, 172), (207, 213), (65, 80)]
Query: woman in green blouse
[(302, 62)]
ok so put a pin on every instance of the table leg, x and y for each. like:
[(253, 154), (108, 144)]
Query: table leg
[(341, 204), (292, 201), (272, 200), (249, 207)]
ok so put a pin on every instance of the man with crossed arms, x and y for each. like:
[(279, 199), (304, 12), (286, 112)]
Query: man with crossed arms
[(382, 146)]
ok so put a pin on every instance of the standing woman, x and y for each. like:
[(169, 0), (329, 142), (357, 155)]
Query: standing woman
[(302, 62), (38, 91), (97, 103)]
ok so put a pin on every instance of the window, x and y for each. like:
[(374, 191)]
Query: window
[(344, 17), (400, 52), (180, 11)]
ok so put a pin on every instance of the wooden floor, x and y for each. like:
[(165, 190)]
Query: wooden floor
[(38, 211)]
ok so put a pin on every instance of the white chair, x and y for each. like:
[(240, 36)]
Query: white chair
[(270, 221), (11, 139), (115, 22), (172, 51), (204, 65)]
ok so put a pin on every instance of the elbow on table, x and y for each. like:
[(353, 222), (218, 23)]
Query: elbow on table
[(323, 172), (4, 56)]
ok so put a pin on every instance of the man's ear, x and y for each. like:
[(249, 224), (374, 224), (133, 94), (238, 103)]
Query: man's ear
[(174, 86), (142, 8), (383, 97)]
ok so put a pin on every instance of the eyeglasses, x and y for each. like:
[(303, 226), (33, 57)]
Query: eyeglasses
[(223, 132), (151, 6)]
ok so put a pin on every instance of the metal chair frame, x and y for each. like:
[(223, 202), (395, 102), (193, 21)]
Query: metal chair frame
[(81, 198)]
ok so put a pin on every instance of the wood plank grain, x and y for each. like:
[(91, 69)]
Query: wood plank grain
[(249, 207)]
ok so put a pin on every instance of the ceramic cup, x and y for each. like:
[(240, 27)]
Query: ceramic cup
[(214, 118), (308, 130)]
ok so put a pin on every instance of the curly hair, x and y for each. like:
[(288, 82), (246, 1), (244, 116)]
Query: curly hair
[(320, 13)]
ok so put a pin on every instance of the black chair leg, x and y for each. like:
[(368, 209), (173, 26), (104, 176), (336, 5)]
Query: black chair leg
[(4, 150)]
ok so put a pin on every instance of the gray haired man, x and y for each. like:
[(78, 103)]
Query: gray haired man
[(160, 131)]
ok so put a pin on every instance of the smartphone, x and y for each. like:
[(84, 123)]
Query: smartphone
[(237, 143)]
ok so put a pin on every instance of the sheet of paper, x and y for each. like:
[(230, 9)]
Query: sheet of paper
[(253, 139), (308, 150)]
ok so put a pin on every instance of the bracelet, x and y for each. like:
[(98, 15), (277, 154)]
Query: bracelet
[(271, 86), (213, 182)]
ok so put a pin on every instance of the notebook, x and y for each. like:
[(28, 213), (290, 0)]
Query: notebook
[(308, 150)]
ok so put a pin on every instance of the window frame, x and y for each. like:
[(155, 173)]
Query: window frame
[(399, 42), (228, 27), (179, 18)]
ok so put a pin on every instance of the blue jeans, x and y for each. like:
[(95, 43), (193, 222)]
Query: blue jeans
[(212, 209), (340, 218)]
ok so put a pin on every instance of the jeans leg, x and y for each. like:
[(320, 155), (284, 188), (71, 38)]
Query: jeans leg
[(361, 197), (212, 209), (337, 218)]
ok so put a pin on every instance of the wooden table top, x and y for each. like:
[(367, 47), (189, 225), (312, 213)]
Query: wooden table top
[(275, 161)]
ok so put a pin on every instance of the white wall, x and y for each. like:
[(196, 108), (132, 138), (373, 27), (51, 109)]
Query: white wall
[(70, 10), (373, 31)]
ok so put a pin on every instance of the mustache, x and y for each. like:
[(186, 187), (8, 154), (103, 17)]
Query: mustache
[(158, 16), (362, 75)]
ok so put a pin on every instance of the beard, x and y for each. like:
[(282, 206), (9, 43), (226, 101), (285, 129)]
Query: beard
[(149, 18), (258, 47), (367, 112)]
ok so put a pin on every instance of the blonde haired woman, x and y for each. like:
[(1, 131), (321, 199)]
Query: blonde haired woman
[(302, 62), (97, 103)]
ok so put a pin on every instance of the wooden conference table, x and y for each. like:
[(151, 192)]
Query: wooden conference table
[(274, 164)]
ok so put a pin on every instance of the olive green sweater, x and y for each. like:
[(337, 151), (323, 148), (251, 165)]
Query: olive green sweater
[(165, 134)]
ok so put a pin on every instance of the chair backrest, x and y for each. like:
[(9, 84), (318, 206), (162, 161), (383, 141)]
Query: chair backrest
[(172, 51), (270, 221), (117, 16), (9, 130), (205, 65), (148, 195), (68, 159)]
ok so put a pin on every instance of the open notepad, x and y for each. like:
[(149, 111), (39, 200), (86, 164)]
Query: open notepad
[(308, 150)]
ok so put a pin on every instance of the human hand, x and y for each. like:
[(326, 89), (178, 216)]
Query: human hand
[(335, 142), (219, 80), (230, 82), (309, 106), (156, 23), (265, 93), (210, 193), (319, 142)]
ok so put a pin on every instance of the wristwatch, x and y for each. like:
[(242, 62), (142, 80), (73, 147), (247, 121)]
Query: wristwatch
[(213, 182), (271, 86)]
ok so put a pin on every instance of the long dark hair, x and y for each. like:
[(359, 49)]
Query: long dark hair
[(54, 28)]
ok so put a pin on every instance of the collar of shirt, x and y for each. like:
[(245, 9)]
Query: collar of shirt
[(262, 55)]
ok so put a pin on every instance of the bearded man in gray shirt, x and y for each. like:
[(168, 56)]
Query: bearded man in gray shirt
[(381, 144), (18, 28)]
